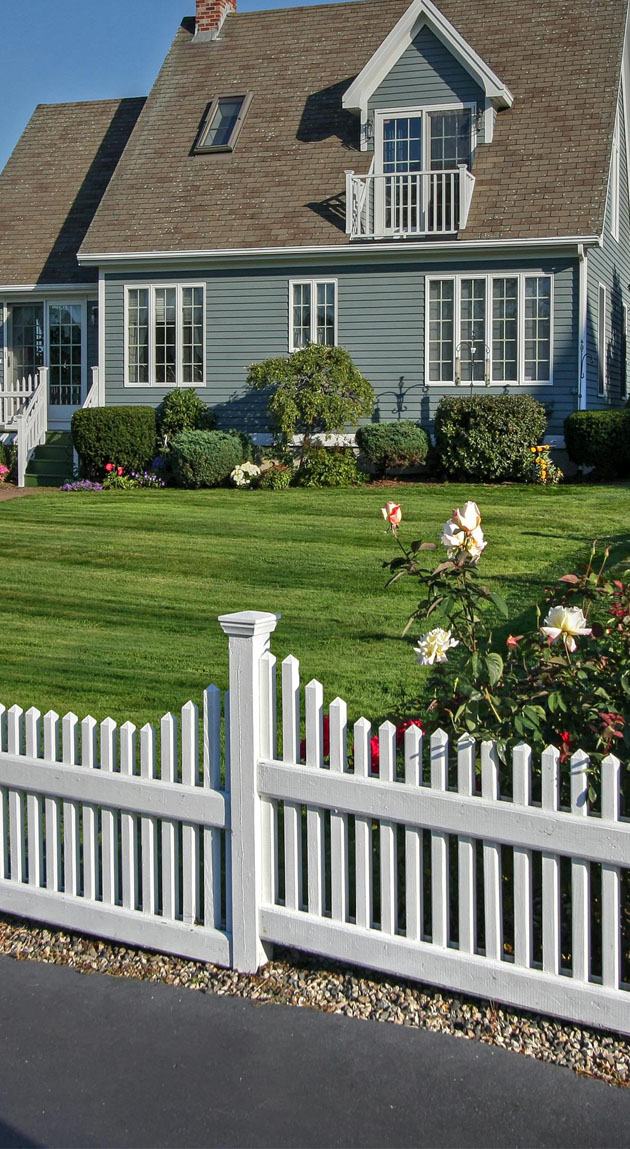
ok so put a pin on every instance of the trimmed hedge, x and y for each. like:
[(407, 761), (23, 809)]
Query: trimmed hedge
[(391, 445), (487, 438), (183, 410), (126, 436), (205, 458), (600, 439)]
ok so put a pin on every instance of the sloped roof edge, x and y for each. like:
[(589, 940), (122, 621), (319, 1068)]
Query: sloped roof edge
[(419, 14)]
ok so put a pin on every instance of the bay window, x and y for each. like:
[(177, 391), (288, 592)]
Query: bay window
[(165, 336), (493, 329)]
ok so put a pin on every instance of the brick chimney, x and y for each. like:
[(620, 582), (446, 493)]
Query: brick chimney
[(210, 17)]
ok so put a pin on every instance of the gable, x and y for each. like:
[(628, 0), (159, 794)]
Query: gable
[(426, 73)]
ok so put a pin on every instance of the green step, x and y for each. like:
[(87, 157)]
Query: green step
[(54, 452), (39, 466), (44, 480), (60, 437)]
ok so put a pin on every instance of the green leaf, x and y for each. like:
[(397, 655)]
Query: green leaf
[(494, 665), (499, 602)]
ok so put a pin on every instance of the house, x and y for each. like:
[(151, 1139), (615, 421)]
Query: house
[(442, 190)]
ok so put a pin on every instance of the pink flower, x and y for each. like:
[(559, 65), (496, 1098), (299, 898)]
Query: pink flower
[(392, 513), (375, 754), (119, 471), (109, 467)]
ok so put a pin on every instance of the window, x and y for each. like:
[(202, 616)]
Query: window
[(222, 123), (491, 328), (624, 351), (450, 139), (313, 312), (165, 336), (614, 182), (424, 139), (601, 341)]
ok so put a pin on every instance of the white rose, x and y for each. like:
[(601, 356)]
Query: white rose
[(566, 621), (432, 647)]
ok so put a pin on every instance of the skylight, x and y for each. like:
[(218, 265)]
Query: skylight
[(222, 123)]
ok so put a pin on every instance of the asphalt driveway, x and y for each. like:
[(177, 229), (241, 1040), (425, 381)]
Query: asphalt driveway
[(99, 1061)]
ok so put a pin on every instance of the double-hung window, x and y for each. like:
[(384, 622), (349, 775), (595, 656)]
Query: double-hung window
[(312, 312), (165, 336), (489, 328)]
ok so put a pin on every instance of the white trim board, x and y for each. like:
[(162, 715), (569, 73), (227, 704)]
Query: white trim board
[(423, 13), (369, 250)]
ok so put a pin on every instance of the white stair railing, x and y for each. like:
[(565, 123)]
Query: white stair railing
[(13, 395), (31, 423), (95, 396)]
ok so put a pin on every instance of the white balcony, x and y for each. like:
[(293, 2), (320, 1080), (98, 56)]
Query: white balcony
[(408, 204)]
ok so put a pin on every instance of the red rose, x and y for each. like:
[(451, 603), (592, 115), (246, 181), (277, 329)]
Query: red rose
[(109, 467), (119, 471), (400, 730)]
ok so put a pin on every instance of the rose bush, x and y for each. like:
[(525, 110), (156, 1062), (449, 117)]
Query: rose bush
[(566, 683)]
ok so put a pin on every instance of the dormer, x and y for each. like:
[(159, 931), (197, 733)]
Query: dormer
[(425, 100)]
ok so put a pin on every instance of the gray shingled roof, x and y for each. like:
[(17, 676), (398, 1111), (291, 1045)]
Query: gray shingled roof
[(545, 174), (52, 185)]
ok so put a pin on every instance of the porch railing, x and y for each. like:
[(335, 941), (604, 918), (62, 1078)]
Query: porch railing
[(13, 396), (31, 422), (404, 204), (95, 396)]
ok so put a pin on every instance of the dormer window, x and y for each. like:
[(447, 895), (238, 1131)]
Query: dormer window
[(222, 123)]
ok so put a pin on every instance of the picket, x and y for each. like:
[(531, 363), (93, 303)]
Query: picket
[(209, 844)]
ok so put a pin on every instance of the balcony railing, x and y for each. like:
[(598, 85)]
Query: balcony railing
[(407, 204)]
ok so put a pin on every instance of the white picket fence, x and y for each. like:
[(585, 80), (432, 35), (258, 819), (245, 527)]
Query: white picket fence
[(215, 842)]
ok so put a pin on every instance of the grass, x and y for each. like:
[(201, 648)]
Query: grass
[(110, 602)]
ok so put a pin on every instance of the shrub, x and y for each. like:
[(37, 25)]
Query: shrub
[(392, 445), (183, 410), (247, 444), (600, 439), (317, 389), (330, 467), (122, 435), (276, 478), (3, 455), (487, 438), (205, 458)]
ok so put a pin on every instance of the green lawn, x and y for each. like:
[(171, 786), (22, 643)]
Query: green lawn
[(110, 602)]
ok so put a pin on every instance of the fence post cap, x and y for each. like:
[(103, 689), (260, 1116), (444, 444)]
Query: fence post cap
[(247, 623)]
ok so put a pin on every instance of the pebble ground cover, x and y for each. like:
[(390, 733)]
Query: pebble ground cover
[(110, 601)]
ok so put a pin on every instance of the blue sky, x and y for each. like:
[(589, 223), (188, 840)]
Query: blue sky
[(57, 50)]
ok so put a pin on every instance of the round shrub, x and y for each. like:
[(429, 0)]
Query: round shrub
[(276, 478), (488, 438), (329, 467), (205, 458), (183, 410), (389, 446), (126, 436), (600, 439)]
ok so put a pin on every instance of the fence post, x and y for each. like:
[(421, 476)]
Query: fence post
[(249, 637)]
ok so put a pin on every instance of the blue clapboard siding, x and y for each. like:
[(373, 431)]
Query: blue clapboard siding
[(92, 339), (426, 73), (610, 265), (381, 323)]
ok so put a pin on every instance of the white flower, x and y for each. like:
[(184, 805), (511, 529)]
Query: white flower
[(432, 647), (243, 474), (463, 533), (565, 621)]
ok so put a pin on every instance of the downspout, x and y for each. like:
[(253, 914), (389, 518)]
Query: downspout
[(582, 325)]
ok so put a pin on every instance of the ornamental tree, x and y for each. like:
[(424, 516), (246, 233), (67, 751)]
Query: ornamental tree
[(315, 390)]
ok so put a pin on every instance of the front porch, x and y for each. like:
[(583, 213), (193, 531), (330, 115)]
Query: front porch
[(29, 419)]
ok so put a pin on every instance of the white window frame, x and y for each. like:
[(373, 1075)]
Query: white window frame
[(152, 287), (422, 110), (313, 283), (489, 278), (602, 365), (624, 350), (615, 191)]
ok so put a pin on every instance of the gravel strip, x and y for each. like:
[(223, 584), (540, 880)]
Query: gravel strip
[(295, 978)]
